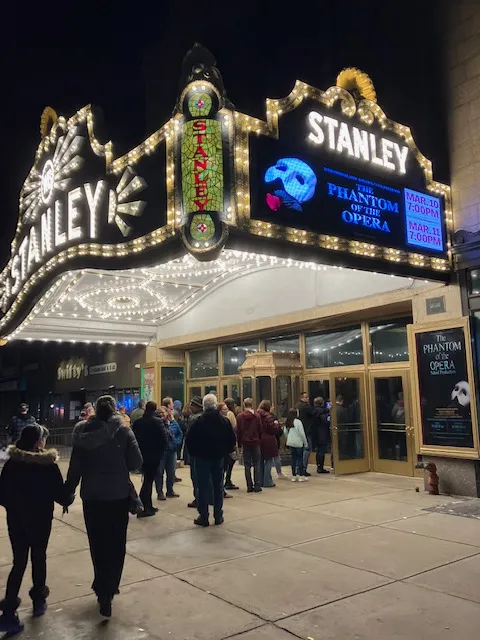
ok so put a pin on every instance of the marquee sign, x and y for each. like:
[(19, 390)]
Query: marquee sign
[(336, 168), (326, 172)]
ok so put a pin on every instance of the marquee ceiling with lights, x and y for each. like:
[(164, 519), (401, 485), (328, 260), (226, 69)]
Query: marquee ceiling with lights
[(111, 246), (128, 305)]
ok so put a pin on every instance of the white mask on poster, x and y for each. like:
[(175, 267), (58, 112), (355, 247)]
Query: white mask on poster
[(461, 393)]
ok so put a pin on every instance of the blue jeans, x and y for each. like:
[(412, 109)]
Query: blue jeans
[(297, 460), (209, 473), (306, 453), (266, 472), (168, 466), (278, 465)]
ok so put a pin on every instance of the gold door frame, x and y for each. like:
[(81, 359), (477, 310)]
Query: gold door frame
[(229, 381), (358, 465), (202, 383), (406, 468)]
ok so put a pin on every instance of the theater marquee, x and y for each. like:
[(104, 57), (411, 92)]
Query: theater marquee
[(326, 177)]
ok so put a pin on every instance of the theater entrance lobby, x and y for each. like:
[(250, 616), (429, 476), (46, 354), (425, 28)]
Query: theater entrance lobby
[(360, 556)]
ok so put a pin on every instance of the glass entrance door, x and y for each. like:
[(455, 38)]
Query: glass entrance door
[(393, 432), (350, 444)]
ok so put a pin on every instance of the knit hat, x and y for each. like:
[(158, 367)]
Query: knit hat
[(177, 405)]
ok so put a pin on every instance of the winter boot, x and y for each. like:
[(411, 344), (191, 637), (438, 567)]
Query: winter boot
[(9, 622), (39, 599)]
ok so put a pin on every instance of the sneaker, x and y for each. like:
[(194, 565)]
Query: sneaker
[(201, 522), (105, 603), (302, 479), (257, 489), (173, 495), (177, 479), (282, 476), (10, 624), (231, 487), (192, 504), (39, 608), (161, 496), (294, 478), (147, 513), (319, 470)]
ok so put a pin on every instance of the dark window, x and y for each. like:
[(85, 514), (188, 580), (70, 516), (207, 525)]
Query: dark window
[(337, 348), (173, 383), (388, 340), (474, 282), (283, 344), (204, 363), (234, 355)]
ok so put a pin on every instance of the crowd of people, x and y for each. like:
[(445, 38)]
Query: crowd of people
[(108, 445)]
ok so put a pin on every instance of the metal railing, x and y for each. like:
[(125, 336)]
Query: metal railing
[(60, 438)]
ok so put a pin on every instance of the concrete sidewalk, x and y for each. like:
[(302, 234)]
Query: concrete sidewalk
[(334, 558)]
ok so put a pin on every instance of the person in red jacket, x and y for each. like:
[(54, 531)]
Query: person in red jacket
[(268, 442), (249, 430)]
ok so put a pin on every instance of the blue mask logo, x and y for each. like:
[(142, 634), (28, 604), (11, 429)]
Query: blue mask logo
[(298, 181)]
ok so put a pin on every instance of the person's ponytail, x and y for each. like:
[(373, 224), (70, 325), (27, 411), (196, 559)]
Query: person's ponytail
[(105, 408), (291, 416)]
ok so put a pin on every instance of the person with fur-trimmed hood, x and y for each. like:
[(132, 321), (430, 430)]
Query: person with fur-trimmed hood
[(30, 483)]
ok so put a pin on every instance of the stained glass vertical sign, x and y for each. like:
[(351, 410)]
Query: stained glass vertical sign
[(202, 159)]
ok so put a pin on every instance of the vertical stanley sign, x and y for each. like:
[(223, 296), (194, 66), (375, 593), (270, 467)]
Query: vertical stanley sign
[(204, 152)]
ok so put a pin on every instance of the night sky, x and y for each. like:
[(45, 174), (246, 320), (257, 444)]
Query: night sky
[(126, 59)]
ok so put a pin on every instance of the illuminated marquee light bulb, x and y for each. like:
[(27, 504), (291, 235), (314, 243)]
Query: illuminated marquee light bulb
[(119, 207), (40, 186)]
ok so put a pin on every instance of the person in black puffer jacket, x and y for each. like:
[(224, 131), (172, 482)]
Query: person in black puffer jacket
[(104, 452), (151, 434), (29, 485), (209, 439)]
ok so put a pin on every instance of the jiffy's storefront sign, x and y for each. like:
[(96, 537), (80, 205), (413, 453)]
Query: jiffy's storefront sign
[(76, 369)]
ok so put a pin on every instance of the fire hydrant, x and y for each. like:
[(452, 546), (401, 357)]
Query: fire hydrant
[(431, 478)]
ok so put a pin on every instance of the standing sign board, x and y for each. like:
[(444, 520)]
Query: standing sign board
[(149, 390), (445, 392)]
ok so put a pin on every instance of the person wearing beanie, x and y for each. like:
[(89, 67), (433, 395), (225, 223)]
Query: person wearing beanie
[(30, 483), (104, 451)]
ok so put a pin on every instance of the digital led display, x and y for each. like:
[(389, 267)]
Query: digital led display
[(423, 219), (342, 178)]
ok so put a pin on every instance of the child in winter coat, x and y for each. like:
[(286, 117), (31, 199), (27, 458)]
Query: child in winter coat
[(296, 441), (29, 485)]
